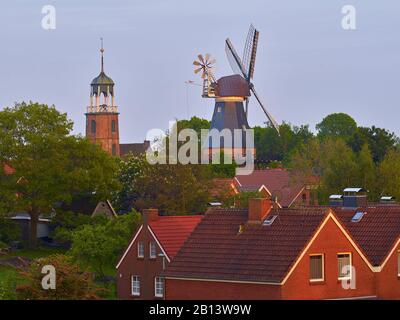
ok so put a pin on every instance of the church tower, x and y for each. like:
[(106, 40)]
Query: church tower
[(102, 113)]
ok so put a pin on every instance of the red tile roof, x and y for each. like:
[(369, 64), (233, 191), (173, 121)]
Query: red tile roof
[(377, 231), (277, 181), (8, 170), (172, 231), (216, 250)]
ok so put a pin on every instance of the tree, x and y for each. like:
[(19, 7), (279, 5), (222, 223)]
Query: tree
[(9, 230), (98, 246), (379, 141), (389, 174), (64, 223), (330, 161), (337, 125), (273, 147), (71, 282), (241, 200), (339, 165), (174, 189), (366, 172), (50, 165)]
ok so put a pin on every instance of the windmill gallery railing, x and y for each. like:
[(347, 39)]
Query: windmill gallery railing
[(102, 108)]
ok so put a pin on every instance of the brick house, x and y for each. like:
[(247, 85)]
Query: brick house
[(377, 232), (273, 253), (276, 184), (151, 249)]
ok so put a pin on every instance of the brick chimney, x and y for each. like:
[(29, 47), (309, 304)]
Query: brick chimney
[(259, 208), (149, 215)]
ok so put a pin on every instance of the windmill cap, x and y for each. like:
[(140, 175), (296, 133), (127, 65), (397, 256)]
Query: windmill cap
[(232, 86)]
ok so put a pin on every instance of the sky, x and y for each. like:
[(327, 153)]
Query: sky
[(307, 65)]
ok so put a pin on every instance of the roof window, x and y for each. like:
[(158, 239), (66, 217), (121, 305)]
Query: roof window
[(269, 221)]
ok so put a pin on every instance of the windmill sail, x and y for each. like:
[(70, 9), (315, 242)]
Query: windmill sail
[(269, 116), (234, 60), (249, 52), (245, 68)]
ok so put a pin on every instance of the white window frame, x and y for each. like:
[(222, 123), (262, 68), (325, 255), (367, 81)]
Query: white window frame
[(135, 279), (140, 249), (323, 266), (351, 265), (157, 280), (152, 245)]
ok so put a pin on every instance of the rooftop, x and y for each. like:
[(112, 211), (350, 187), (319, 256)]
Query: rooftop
[(277, 181), (261, 253), (172, 231), (376, 232)]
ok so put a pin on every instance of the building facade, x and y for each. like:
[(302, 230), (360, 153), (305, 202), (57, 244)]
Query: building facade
[(154, 245), (303, 253)]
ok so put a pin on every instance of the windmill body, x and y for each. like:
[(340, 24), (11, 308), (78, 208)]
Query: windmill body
[(231, 93)]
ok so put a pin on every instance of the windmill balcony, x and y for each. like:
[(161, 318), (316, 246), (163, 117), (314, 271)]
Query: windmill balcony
[(102, 109)]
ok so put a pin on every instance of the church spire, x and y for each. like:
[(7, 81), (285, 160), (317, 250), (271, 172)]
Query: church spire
[(102, 55)]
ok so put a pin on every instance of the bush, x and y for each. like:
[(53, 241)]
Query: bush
[(9, 230), (71, 282)]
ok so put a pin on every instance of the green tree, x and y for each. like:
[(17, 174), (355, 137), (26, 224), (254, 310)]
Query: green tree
[(174, 189), (98, 246), (379, 141), (366, 172), (389, 174), (9, 230), (339, 165), (64, 223), (50, 164), (273, 147), (337, 125), (330, 162)]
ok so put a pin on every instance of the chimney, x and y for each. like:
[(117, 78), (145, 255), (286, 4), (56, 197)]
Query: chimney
[(336, 200), (387, 200), (149, 215), (354, 197), (259, 208)]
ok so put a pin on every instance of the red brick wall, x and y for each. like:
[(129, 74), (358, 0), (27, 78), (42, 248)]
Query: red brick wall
[(104, 134), (330, 242), (146, 268), (209, 290), (388, 282)]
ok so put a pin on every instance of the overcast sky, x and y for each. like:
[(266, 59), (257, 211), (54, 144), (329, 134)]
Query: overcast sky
[(307, 66)]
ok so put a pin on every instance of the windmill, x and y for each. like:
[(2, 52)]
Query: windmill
[(231, 92), (205, 65)]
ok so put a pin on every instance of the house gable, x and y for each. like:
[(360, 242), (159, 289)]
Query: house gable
[(329, 241)]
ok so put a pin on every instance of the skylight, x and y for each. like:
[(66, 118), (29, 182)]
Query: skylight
[(358, 216), (269, 221)]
